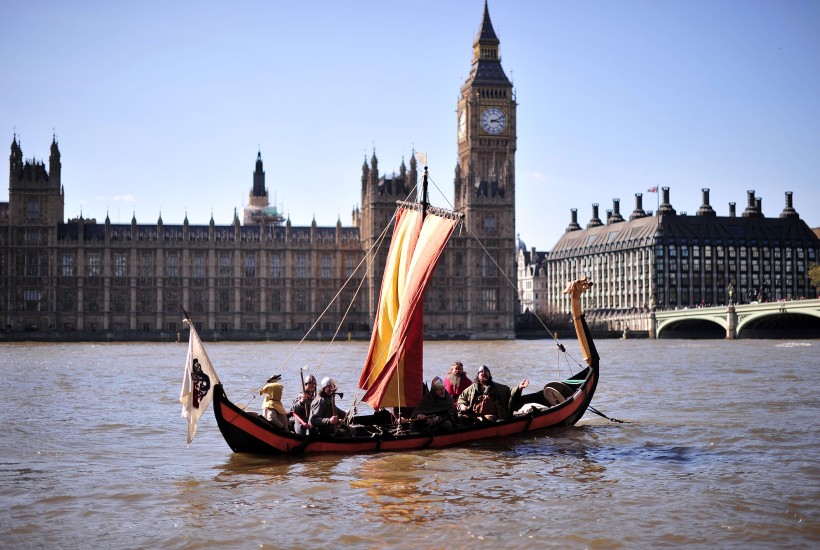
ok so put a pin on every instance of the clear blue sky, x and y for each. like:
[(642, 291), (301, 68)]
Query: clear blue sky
[(161, 107)]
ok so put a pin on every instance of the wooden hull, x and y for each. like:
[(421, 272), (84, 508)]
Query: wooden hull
[(250, 433)]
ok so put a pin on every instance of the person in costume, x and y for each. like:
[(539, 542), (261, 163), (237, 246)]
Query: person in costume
[(486, 400), (272, 408), (436, 410), (325, 416), (300, 409), (456, 380)]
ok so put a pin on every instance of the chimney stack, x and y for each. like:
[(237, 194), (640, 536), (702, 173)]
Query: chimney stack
[(616, 212), (573, 225), (595, 221), (638, 212), (789, 211), (705, 208), (666, 208)]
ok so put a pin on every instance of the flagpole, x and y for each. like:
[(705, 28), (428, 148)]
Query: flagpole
[(658, 202)]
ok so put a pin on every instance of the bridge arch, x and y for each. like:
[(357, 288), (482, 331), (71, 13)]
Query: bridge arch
[(788, 319), (802, 324), (705, 326)]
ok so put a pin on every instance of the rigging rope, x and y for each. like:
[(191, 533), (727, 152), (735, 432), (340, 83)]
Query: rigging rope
[(592, 409), (377, 245), (370, 254), (518, 292)]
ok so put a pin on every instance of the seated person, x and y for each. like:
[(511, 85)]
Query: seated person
[(435, 410), (300, 408), (272, 408), (456, 381), (325, 416), (488, 401)]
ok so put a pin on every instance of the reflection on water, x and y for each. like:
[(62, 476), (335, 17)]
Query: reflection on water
[(397, 489)]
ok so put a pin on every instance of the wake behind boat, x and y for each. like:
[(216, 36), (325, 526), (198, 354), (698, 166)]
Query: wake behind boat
[(392, 378)]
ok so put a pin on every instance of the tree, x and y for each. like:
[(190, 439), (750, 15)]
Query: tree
[(814, 276)]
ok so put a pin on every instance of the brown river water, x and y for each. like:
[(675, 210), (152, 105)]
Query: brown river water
[(721, 449)]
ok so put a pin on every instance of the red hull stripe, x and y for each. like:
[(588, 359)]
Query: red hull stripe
[(236, 420)]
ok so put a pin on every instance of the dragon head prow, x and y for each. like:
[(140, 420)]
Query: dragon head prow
[(578, 287)]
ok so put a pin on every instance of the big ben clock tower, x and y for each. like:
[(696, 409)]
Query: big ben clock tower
[(485, 186)]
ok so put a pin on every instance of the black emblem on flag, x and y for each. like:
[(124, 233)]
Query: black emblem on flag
[(200, 382)]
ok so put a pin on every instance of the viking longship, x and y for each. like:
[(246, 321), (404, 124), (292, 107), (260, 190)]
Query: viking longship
[(392, 377)]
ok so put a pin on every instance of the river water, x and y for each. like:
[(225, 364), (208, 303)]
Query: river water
[(720, 450)]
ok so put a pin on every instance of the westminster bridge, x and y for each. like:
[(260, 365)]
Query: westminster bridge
[(784, 319)]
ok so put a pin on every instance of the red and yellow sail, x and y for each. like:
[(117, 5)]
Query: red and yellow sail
[(393, 373)]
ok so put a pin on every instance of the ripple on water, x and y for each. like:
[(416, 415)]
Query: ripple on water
[(717, 453)]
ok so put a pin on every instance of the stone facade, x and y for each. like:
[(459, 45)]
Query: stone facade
[(263, 278)]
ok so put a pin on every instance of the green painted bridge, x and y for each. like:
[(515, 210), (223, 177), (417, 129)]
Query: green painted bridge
[(787, 319)]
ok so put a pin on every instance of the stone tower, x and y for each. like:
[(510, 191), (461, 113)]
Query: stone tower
[(35, 210), (259, 209), (379, 196), (35, 194), (485, 185)]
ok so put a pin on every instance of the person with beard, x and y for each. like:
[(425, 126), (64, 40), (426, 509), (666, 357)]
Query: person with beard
[(487, 400), (300, 408), (456, 381), (325, 416), (435, 410)]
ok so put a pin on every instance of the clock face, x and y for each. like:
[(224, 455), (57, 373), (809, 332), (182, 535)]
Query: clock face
[(493, 120), (462, 124)]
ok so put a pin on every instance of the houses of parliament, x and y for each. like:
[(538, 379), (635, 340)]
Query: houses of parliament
[(261, 277)]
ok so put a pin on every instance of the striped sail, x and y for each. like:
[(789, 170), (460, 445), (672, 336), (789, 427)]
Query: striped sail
[(393, 373)]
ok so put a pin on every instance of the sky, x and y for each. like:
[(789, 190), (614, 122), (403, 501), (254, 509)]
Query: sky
[(160, 107)]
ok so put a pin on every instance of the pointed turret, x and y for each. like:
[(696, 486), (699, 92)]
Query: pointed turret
[(15, 159), (374, 169), (54, 165), (365, 174), (259, 189)]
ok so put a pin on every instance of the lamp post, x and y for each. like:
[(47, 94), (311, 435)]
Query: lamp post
[(731, 316)]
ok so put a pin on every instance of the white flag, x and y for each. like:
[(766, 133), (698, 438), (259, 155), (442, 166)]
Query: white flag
[(198, 382), (422, 158)]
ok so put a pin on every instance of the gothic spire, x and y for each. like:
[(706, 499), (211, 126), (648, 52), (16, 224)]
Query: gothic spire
[(486, 33), (487, 68), (259, 178)]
